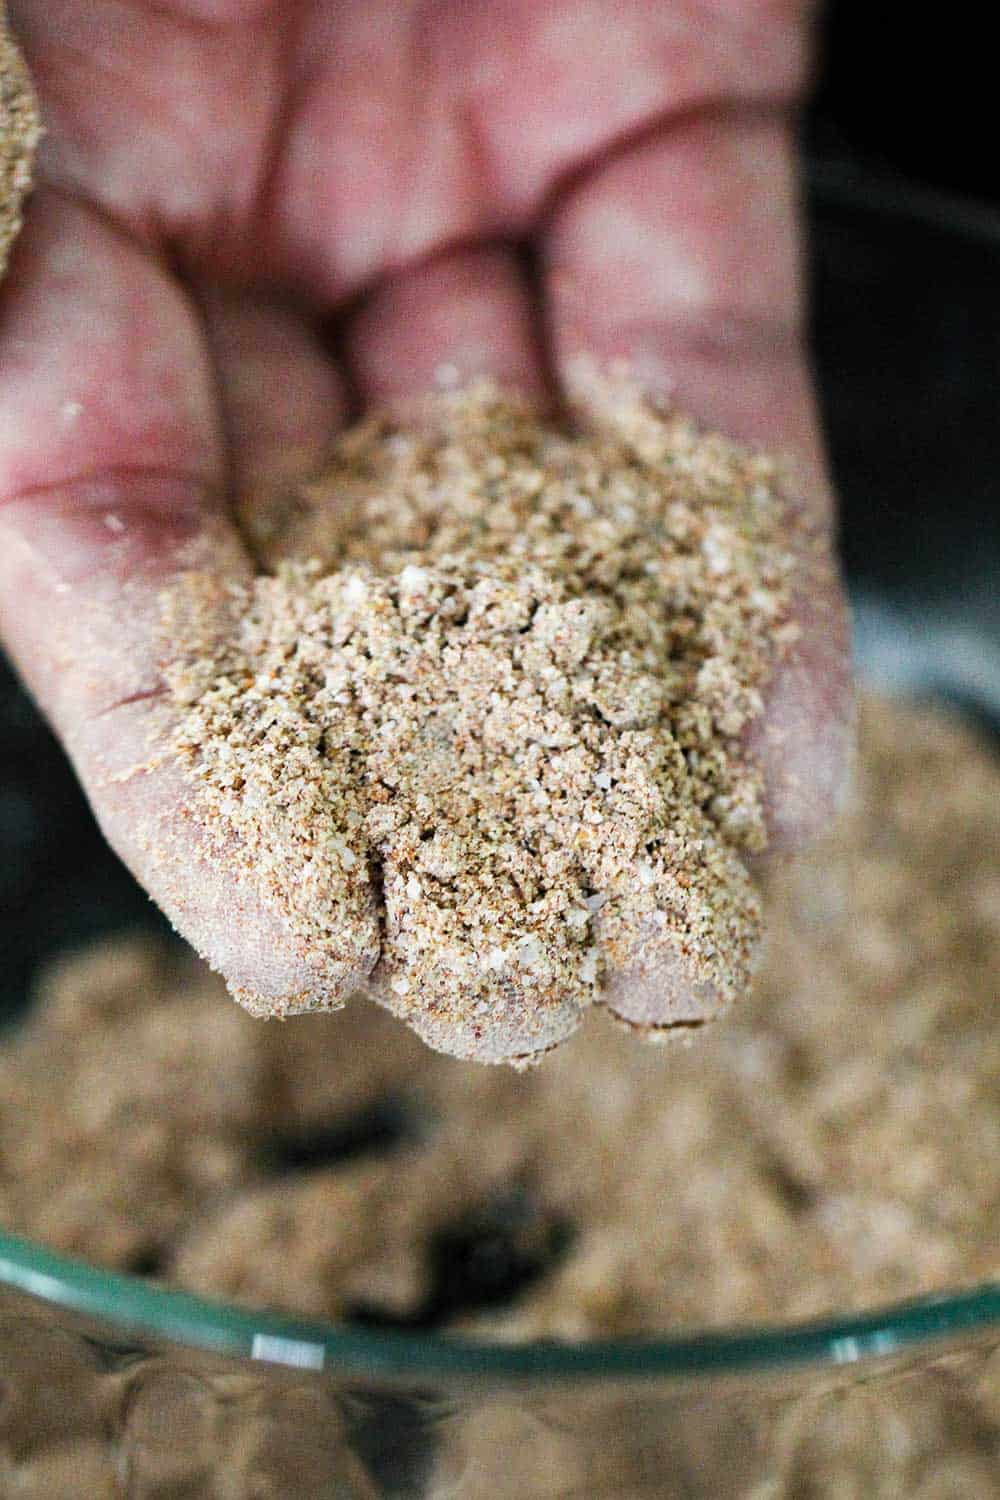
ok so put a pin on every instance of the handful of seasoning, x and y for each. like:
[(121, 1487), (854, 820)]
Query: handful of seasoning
[(477, 724)]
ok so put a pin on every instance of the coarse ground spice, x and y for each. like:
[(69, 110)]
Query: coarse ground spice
[(479, 729), (836, 1145), (19, 135)]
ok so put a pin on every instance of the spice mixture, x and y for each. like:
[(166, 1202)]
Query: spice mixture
[(836, 1144), (479, 730), (19, 135)]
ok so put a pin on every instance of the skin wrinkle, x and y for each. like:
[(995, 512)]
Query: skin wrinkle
[(629, 143), (142, 695), (100, 615), (123, 478)]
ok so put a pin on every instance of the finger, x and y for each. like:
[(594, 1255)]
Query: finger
[(682, 259), (282, 399), (111, 482), (454, 320)]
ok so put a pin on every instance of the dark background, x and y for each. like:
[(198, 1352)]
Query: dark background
[(911, 88), (904, 219)]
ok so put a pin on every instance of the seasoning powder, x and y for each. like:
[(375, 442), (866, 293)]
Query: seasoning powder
[(477, 722), (837, 1146)]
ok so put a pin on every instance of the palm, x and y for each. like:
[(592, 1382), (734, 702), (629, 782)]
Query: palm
[(224, 177)]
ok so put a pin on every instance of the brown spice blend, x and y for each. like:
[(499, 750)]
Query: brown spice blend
[(20, 133), (479, 728), (837, 1145)]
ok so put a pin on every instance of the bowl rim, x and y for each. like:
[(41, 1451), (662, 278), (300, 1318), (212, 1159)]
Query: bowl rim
[(129, 1302)]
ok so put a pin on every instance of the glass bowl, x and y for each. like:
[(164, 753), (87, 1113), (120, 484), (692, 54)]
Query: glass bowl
[(110, 1385)]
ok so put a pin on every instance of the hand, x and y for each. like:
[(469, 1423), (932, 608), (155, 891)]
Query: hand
[(221, 176)]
